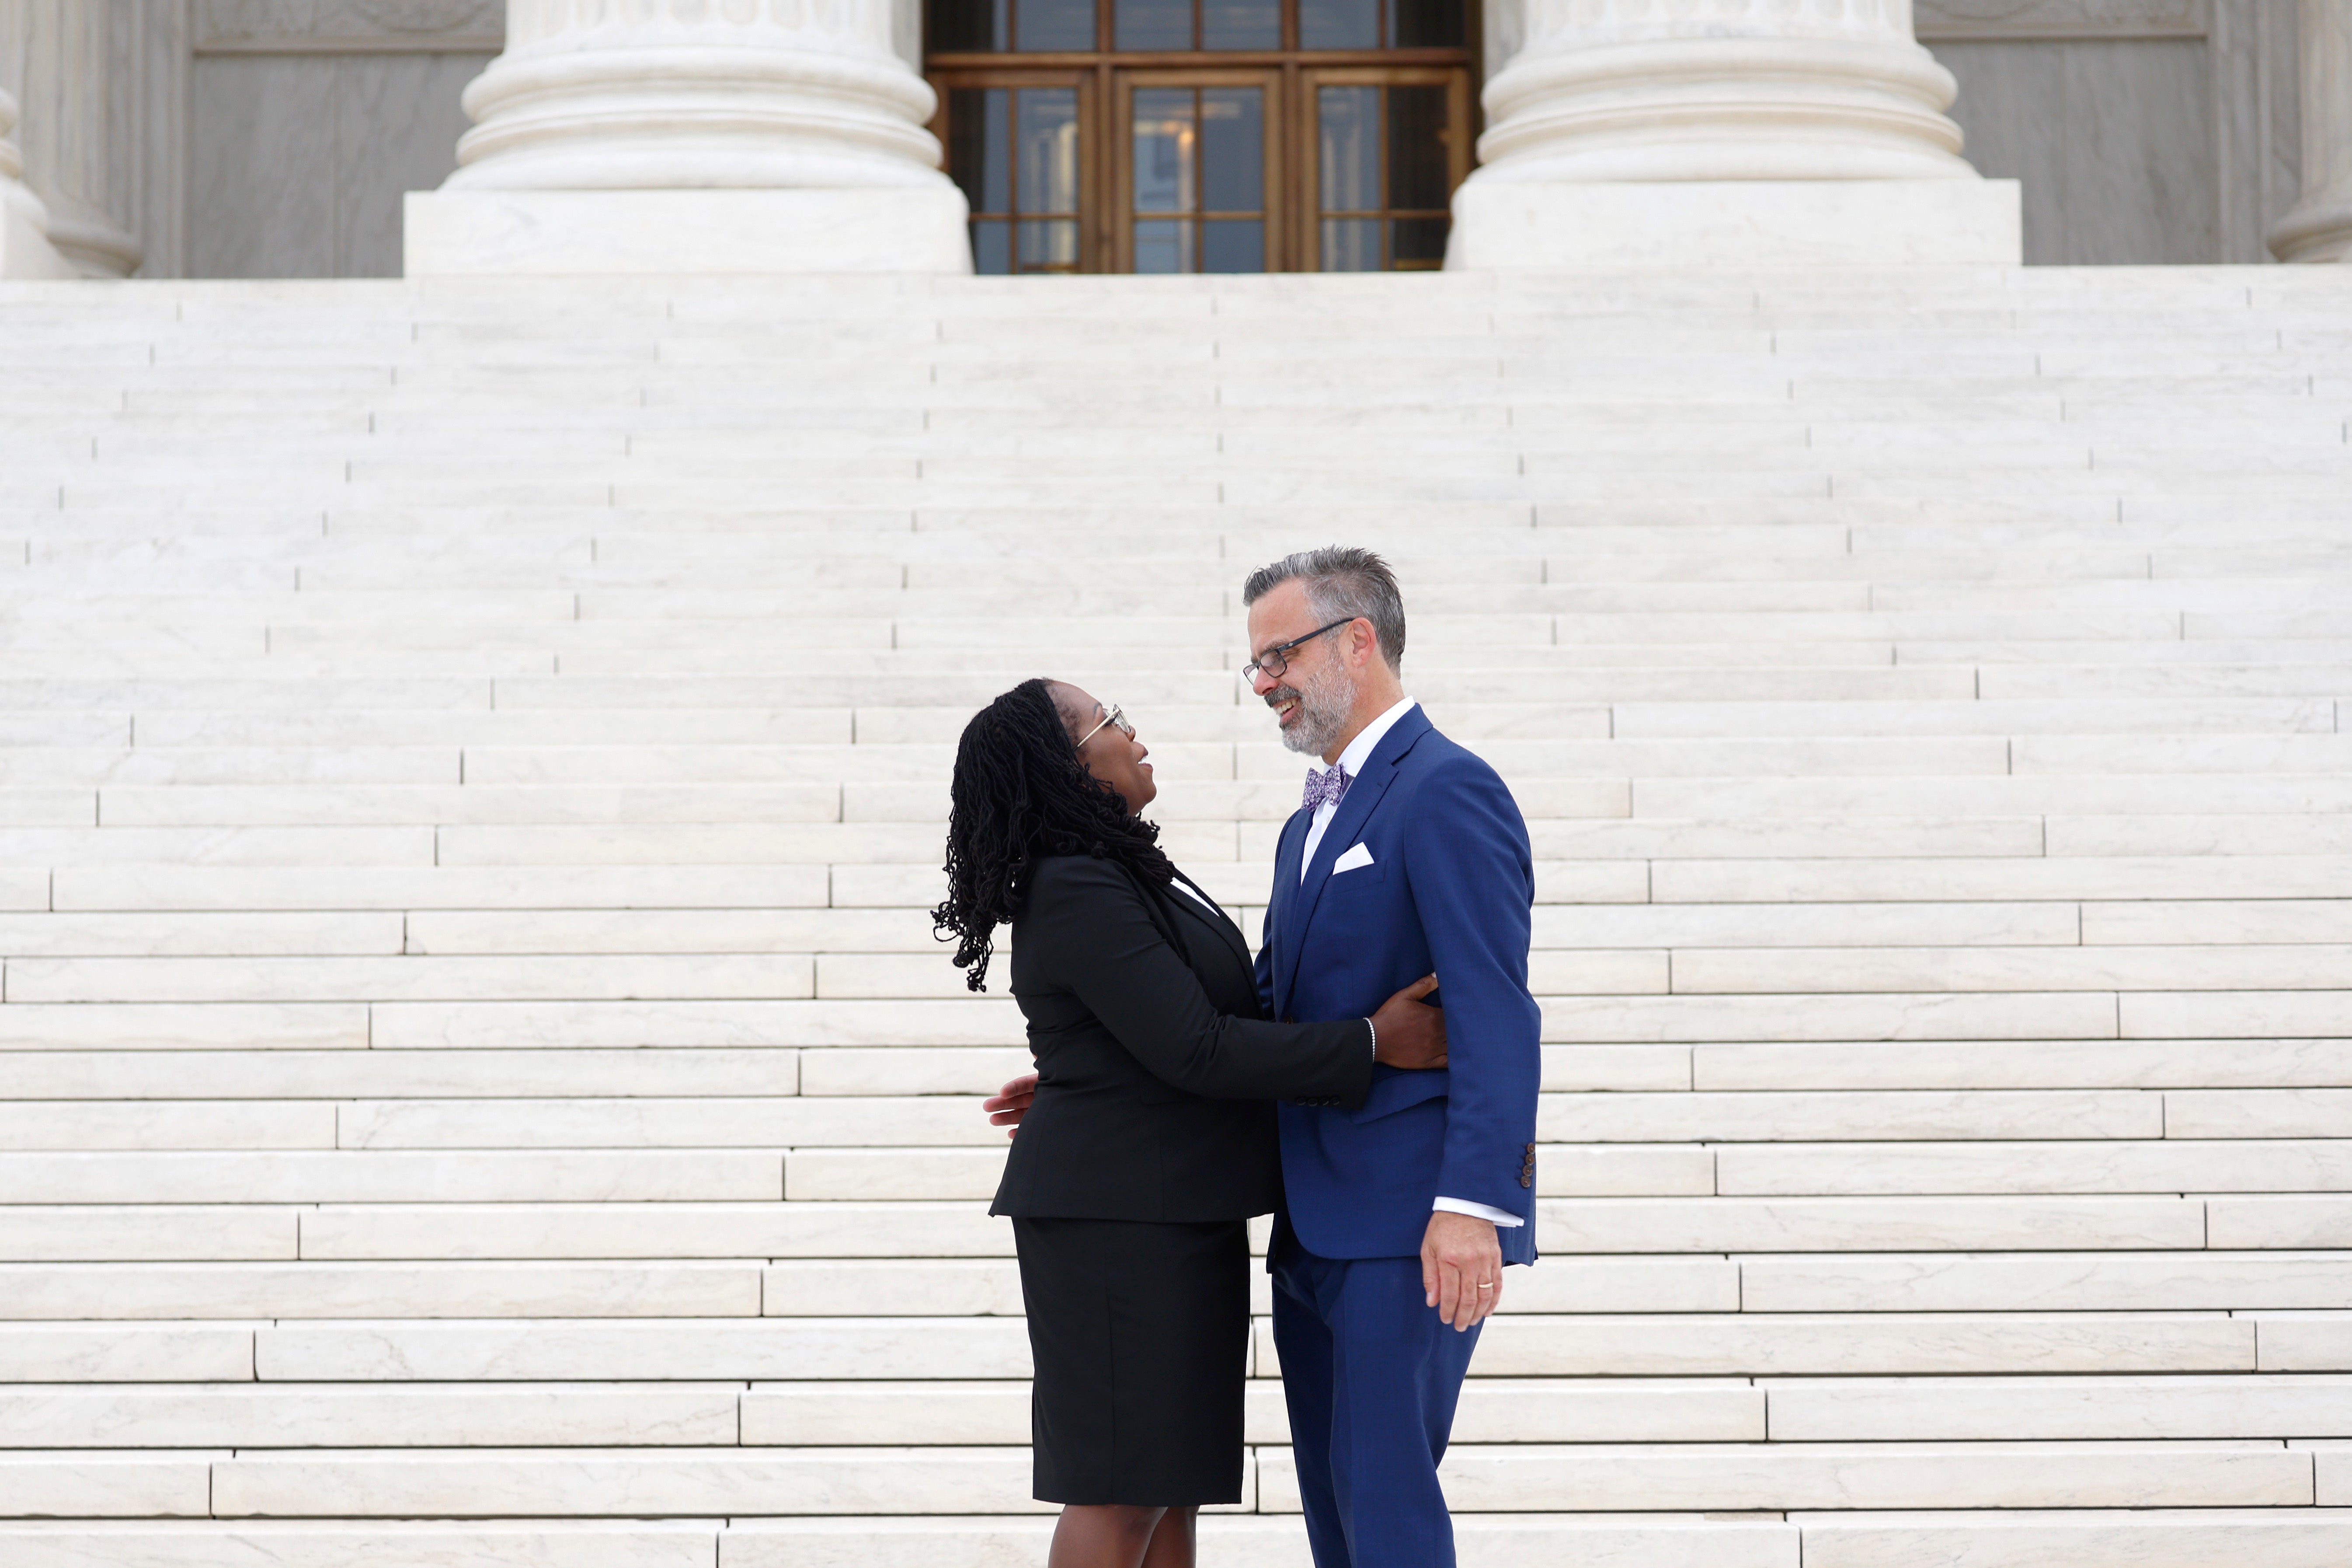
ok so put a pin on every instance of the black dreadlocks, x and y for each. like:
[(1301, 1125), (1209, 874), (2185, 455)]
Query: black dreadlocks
[(1020, 794)]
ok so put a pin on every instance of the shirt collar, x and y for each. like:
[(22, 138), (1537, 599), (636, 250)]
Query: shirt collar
[(1360, 750)]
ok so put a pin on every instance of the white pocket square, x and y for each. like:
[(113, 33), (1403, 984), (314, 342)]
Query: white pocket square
[(1354, 860)]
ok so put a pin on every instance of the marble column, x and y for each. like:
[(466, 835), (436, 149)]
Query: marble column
[(694, 135), (24, 249), (79, 88), (1712, 132), (2318, 227)]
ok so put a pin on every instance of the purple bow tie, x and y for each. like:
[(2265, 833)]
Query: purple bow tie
[(1327, 785)]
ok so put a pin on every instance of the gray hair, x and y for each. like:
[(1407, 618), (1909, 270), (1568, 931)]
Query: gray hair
[(1342, 583)]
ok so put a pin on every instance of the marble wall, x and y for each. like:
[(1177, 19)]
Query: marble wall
[(2144, 130), (101, 89), (309, 119)]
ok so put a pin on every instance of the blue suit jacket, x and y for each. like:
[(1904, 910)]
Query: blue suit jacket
[(1449, 889)]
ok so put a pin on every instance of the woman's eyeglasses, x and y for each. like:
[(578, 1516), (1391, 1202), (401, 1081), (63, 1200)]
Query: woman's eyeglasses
[(1116, 716)]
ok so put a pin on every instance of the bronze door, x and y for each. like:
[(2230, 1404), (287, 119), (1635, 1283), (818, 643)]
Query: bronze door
[(1204, 135)]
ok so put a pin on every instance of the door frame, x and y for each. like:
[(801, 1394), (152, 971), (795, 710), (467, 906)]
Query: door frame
[(1461, 136)]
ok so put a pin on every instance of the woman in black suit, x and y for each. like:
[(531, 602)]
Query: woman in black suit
[(1147, 1140)]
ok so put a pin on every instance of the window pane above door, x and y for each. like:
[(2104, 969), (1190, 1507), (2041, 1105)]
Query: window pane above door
[(1040, 26), (1338, 24), (1240, 24), (1154, 24)]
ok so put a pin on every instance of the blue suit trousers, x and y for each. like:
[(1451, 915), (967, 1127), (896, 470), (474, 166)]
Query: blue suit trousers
[(1372, 1376)]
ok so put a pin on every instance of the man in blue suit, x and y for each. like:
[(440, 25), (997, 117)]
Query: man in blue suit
[(1408, 856)]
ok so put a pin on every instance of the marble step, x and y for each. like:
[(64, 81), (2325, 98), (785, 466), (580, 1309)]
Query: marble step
[(348, 1176), (288, 1416), (144, 1283), (1595, 1337), (1479, 1478), (2188, 1538), (128, 1416), (2008, 1408)]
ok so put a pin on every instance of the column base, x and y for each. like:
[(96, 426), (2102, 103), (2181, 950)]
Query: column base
[(490, 233), (1531, 225), (25, 252), (2316, 231)]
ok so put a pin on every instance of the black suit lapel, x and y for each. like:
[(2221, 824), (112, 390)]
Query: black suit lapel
[(1223, 923)]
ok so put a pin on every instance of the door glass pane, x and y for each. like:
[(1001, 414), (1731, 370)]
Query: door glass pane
[(979, 147), (1348, 160), (1240, 24), (1049, 149), (1163, 245), (1056, 25), (966, 26), (1233, 244), (1155, 24), (1052, 245), (1015, 151), (1338, 24), (991, 247), (1416, 149), (1232, 150), (1417, 244), (1429, 23), (1166, 144), (1352, 245)]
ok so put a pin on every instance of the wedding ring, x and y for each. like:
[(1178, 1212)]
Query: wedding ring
[(1486, 1287)]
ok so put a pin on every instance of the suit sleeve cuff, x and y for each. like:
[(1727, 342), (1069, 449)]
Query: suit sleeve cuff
[(1476, 1211)]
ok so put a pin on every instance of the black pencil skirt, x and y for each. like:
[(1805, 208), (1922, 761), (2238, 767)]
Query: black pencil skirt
[(1141, 1335)]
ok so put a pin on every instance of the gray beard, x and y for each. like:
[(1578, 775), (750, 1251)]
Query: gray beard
[(1325, 700)]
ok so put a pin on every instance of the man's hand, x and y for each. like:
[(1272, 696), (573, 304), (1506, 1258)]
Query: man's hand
[(1461, 1268), (1008, 1105)]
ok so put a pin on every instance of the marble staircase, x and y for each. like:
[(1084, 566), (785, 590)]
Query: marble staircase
[(477, 1086)]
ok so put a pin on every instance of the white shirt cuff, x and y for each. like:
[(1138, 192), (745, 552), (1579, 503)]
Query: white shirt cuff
[(1476, 1211)]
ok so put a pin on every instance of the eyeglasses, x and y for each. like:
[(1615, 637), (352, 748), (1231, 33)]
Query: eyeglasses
[(1276, 660), (1118, 716)]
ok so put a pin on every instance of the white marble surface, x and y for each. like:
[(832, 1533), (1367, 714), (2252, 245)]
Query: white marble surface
[(2319, 228), (572, 1190), (555, 1288), (478, 233), (2006, 1408), (484, 1544), (1884, 1475), (24, 249), (1662, 1344), (1869, 1225), (1507, 225), (2203, 1538)]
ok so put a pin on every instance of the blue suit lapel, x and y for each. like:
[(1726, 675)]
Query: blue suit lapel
[(1282, 900), (1348, 821)]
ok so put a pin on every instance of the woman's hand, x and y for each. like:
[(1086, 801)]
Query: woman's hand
[(1008, 1105), (1410, 1034)]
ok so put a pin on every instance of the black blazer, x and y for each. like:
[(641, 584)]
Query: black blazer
[(1156, 1069)]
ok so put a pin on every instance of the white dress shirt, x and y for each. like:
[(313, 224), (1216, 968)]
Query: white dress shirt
[(1359, 752)]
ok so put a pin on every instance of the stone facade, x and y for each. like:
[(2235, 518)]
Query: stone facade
[(276, 138)]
